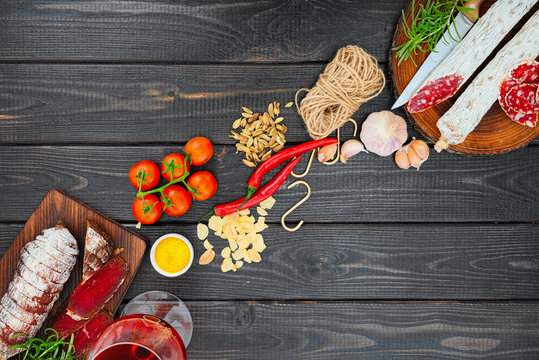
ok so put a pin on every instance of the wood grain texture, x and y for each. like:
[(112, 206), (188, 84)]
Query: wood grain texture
[(58, 206), (378, 261), (371, 331), (191, 30), (55, 104), (496, 133), (366, 189)]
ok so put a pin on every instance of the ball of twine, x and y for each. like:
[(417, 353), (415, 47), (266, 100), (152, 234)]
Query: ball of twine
[(348, 81)]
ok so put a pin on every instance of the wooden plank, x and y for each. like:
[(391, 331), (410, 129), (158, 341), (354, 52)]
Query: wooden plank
[(368, 188), (370, 331), (54, 104), (336, 261), (190, 30), (111, 104)]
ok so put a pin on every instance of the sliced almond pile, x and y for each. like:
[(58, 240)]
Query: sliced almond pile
[(242, 232), (261, 134)]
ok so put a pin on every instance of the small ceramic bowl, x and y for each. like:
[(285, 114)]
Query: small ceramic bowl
[(182, 271)]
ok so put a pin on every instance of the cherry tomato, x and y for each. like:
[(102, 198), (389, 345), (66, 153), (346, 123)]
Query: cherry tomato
[(145, 172), (179, 200), (175, 161), (204, 182), (147, 211), (200, 149)]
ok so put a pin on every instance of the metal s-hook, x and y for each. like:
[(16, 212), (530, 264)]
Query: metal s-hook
[(306, 169), (305, 198), (338, 154)]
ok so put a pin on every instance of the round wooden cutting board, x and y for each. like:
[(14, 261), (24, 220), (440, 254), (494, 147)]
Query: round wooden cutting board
[(495, 134)]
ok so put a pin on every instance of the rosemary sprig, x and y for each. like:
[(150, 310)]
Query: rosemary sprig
[(428, 25), (52, 348)]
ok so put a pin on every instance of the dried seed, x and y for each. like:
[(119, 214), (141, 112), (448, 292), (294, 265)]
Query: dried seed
[(248, 156), (247, 110), (289, 104), (258, 132), (256, 158), (270, 110), (207, 257), (237, 123), (285, 129), (266, 156), (248, 163), (243, 122), (243, 139), (276, 107), (249, 142), (279, 119), (246, 115), (253, 118), (202, 231)]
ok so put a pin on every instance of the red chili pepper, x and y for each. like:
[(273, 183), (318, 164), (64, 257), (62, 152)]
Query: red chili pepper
[(262, 194), (281, 157)]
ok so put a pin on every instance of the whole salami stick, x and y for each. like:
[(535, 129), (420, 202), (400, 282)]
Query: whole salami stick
[(469, 53), (476, 100)]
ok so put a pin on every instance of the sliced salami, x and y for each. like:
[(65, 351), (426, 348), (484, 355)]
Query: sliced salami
[(527, 72), (434, 93), (525, 119), (521, 98)]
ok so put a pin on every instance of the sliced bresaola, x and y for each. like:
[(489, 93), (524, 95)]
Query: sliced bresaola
[(84, 336), (527, 72), (521, 98), (434, 93), (65, 325), (89, 297)]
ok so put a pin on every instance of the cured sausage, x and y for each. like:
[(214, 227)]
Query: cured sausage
[(97, 250), (476, 100), (42, 270), (521, 98), (453, 71)]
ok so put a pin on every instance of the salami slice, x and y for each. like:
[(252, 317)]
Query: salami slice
[(527, 72), (434, 93), (525, 119), (521, 98)]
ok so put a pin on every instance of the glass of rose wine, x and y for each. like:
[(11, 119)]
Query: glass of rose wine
[(142, 334)]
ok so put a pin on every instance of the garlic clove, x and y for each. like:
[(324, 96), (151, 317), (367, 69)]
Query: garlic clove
[(350, 148), (421, 148), (383, 132), (418, 153), (326, 153), (401, 158)]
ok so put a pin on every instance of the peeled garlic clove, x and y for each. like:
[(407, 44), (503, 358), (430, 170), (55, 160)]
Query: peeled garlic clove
[(383, 132), (326, 153), (350, 148), (401, 158)]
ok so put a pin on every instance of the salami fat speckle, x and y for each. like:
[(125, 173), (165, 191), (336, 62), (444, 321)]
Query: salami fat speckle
[(434, 92), (521, 98), (470, 52), (527, 72)]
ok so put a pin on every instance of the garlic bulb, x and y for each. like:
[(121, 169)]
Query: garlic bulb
[(350, 148), (414, 154), (383, 132), (326, 153)]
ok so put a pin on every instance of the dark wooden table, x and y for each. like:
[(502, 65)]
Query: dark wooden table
[(442, 263)]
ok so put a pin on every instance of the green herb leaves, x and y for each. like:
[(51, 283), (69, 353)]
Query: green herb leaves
[(428, 25), (52, 348)]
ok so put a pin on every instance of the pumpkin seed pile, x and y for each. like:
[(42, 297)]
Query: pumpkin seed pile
[(242, 231), (260, 135)]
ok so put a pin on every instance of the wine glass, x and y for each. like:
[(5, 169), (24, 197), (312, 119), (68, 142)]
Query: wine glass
[(138, 337), (165, 306)]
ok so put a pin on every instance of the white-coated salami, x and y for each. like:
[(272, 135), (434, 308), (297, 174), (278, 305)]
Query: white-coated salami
[(472, 105), (42, 270), (469, 53)]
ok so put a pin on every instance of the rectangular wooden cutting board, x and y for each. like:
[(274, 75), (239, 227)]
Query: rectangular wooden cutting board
[(59, 206)]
